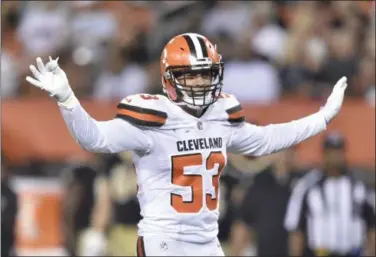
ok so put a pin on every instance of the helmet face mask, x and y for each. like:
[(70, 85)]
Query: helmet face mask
[(192, 71), (196, 93)]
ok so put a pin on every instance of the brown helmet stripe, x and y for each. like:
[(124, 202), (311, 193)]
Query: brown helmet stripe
[(203, 47), (191, 45)]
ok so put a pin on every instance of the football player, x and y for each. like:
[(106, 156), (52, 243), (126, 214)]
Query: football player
[(180, 141)]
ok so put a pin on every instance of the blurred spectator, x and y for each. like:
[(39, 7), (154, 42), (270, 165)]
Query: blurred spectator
[(9, 210), (173, 18), (229, 17), (154, 78), (370, 95), (280, 45), (92, 24), (120, 179), (268, 38), (247, 62), (341, 61), (329, 213), (230, 180), (306, 47), (320, 52), (94, 239), (263, 208), (80, 67), (44, 27), (120, 77), (10, 17), (251, 78), (9, 76), (78, 209), (366, 70)]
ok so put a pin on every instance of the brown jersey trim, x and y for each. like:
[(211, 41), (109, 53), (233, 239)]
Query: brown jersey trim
[(236, 114), (141, 116)]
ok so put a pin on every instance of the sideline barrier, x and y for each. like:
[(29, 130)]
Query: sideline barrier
[(34, 129)]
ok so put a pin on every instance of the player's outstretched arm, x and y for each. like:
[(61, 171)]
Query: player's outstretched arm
[(260, 140), (95, 136)]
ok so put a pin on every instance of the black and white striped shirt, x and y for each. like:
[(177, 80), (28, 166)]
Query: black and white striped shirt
[(333, 212)]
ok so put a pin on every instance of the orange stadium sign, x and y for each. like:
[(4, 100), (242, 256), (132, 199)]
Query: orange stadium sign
[(39, 219)]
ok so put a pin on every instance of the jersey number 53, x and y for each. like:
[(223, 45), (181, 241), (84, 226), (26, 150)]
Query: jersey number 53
[(195, 181)]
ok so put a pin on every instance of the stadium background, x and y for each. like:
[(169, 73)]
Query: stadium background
[(281, 61)]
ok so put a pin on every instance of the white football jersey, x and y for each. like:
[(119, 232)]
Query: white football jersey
[(178, 179), (179, 158)]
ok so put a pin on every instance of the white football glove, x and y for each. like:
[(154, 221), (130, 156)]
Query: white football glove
[(51, 78), (93, 243), (334, 102)]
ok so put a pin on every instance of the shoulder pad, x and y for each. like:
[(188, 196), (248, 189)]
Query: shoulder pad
[(233, 108), (142, 110)]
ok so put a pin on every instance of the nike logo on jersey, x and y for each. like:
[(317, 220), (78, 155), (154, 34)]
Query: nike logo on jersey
[(199, 144)]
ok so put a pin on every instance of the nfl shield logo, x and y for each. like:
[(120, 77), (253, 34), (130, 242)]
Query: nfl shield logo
[(199, 125)]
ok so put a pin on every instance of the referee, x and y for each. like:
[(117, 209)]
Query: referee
[(329, 212)]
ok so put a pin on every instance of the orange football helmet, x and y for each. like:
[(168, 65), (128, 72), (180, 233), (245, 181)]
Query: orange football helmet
[(186, 54)]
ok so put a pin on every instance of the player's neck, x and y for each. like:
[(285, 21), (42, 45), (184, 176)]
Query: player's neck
[(194, 112)]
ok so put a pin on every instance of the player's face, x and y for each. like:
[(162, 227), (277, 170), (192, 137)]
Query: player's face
[(195, 79)]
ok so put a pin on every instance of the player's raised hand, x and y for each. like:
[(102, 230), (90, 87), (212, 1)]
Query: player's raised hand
[(335, 100), (51, 78)]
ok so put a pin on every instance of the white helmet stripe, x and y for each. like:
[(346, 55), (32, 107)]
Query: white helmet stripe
[(197, 45), (193, 42)]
